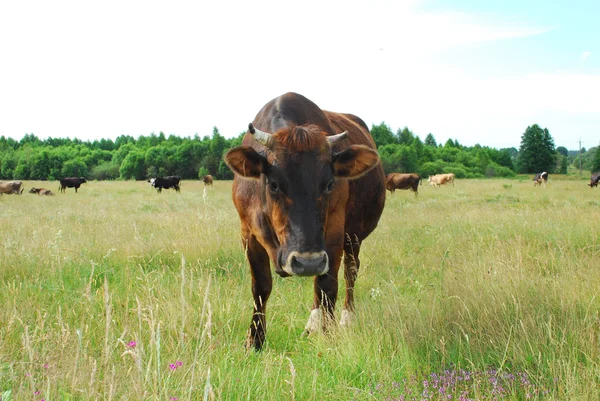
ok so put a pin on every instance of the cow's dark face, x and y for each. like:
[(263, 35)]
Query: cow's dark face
[(297, 177)]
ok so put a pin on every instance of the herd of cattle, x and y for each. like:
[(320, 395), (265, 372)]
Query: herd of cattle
[(309, 188), (160, 183), (393, 181)]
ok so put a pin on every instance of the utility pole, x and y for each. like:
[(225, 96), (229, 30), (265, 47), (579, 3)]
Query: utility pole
[(579, 157)]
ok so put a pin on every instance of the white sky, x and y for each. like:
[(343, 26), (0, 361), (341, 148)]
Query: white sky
[(101, 69)]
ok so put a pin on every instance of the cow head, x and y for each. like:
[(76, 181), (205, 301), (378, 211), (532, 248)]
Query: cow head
[(151, 181), (34, 190), (297, 173), (82, 180)]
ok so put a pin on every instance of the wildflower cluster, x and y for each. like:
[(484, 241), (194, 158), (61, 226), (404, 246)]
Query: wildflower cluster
[(174, 366), (460, 385)]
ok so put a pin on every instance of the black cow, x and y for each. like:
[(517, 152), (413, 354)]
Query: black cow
[(540, 179), (170, 181), (71, 182), (594, 180)]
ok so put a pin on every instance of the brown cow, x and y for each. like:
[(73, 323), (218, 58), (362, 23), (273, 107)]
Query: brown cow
[(441, 179), (308, 189), (594, 180), (394, 181), (11, 187), (41, 191), (208, 180)]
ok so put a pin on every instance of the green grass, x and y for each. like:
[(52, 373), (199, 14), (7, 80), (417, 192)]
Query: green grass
[(491, 277)]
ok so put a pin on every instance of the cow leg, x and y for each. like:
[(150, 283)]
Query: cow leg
[(262, 284), (351, 267), (326, 290)]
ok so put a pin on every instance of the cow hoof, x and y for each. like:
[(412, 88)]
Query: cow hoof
[(347, 318), (315, 322)]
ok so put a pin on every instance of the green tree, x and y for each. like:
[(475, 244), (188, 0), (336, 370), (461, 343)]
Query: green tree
[(134, 166), (430, 140), (562, 150), (74, 168), (405, 137), (596, 160), (383, 135), (564, 165), (537, 152)]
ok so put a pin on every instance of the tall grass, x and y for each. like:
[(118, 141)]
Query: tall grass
[(488, 289)]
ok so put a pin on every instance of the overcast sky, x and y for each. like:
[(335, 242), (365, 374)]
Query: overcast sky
[(476, 71)]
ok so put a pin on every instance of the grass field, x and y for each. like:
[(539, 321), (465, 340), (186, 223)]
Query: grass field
[(488, 290)]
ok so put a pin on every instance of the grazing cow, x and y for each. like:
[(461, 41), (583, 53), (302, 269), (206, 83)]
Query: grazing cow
[(41, 191), (208, 180), (308, 189), (170, 181), (540, 179), (71, 182), (441, 179), (594, 180), (394, 181), (11, 187)]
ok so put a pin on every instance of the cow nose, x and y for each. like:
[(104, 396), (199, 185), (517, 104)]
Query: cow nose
[(308, 263)]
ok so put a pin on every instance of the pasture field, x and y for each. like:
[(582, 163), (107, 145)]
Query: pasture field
[(486, 290)]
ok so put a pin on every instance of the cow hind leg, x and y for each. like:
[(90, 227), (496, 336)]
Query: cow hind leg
[(262, 284), (351, 267)]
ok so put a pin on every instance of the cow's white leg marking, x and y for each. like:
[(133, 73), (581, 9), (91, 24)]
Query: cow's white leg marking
[(347, 318), (315, 321)]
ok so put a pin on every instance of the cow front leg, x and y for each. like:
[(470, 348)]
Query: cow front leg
[(262, 284), (326, 291)]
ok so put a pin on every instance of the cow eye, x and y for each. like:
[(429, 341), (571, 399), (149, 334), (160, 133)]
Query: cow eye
[(330, 186), (273, 186)]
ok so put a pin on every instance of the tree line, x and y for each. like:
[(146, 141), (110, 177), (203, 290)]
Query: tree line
[(154, 155)]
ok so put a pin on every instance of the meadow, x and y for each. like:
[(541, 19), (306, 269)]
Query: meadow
[(483, 291)]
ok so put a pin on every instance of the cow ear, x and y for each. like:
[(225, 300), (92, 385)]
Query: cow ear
[(244, 161), (354, 161)]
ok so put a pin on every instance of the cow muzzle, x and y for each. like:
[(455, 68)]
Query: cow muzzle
[(306, 263)]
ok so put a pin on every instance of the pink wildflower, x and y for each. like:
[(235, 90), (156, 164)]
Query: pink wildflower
[(172, 366), (179, 363), (131, 344)]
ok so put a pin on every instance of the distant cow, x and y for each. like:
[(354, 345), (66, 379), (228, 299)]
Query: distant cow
[(11, 187), (41, 191), (540, 179), (394, 181), (71, 182), (594, 180), (441, 179), (208, 180), (170, 181)]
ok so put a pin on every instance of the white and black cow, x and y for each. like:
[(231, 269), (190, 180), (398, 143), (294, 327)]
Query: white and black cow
[(540, 179), (170, 181)]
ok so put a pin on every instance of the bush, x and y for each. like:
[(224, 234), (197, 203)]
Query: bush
[(495, 170), (74, 168), (105, 171)]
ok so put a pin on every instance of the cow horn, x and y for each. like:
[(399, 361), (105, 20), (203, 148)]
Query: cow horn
[(262, 137), (334, 138)]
